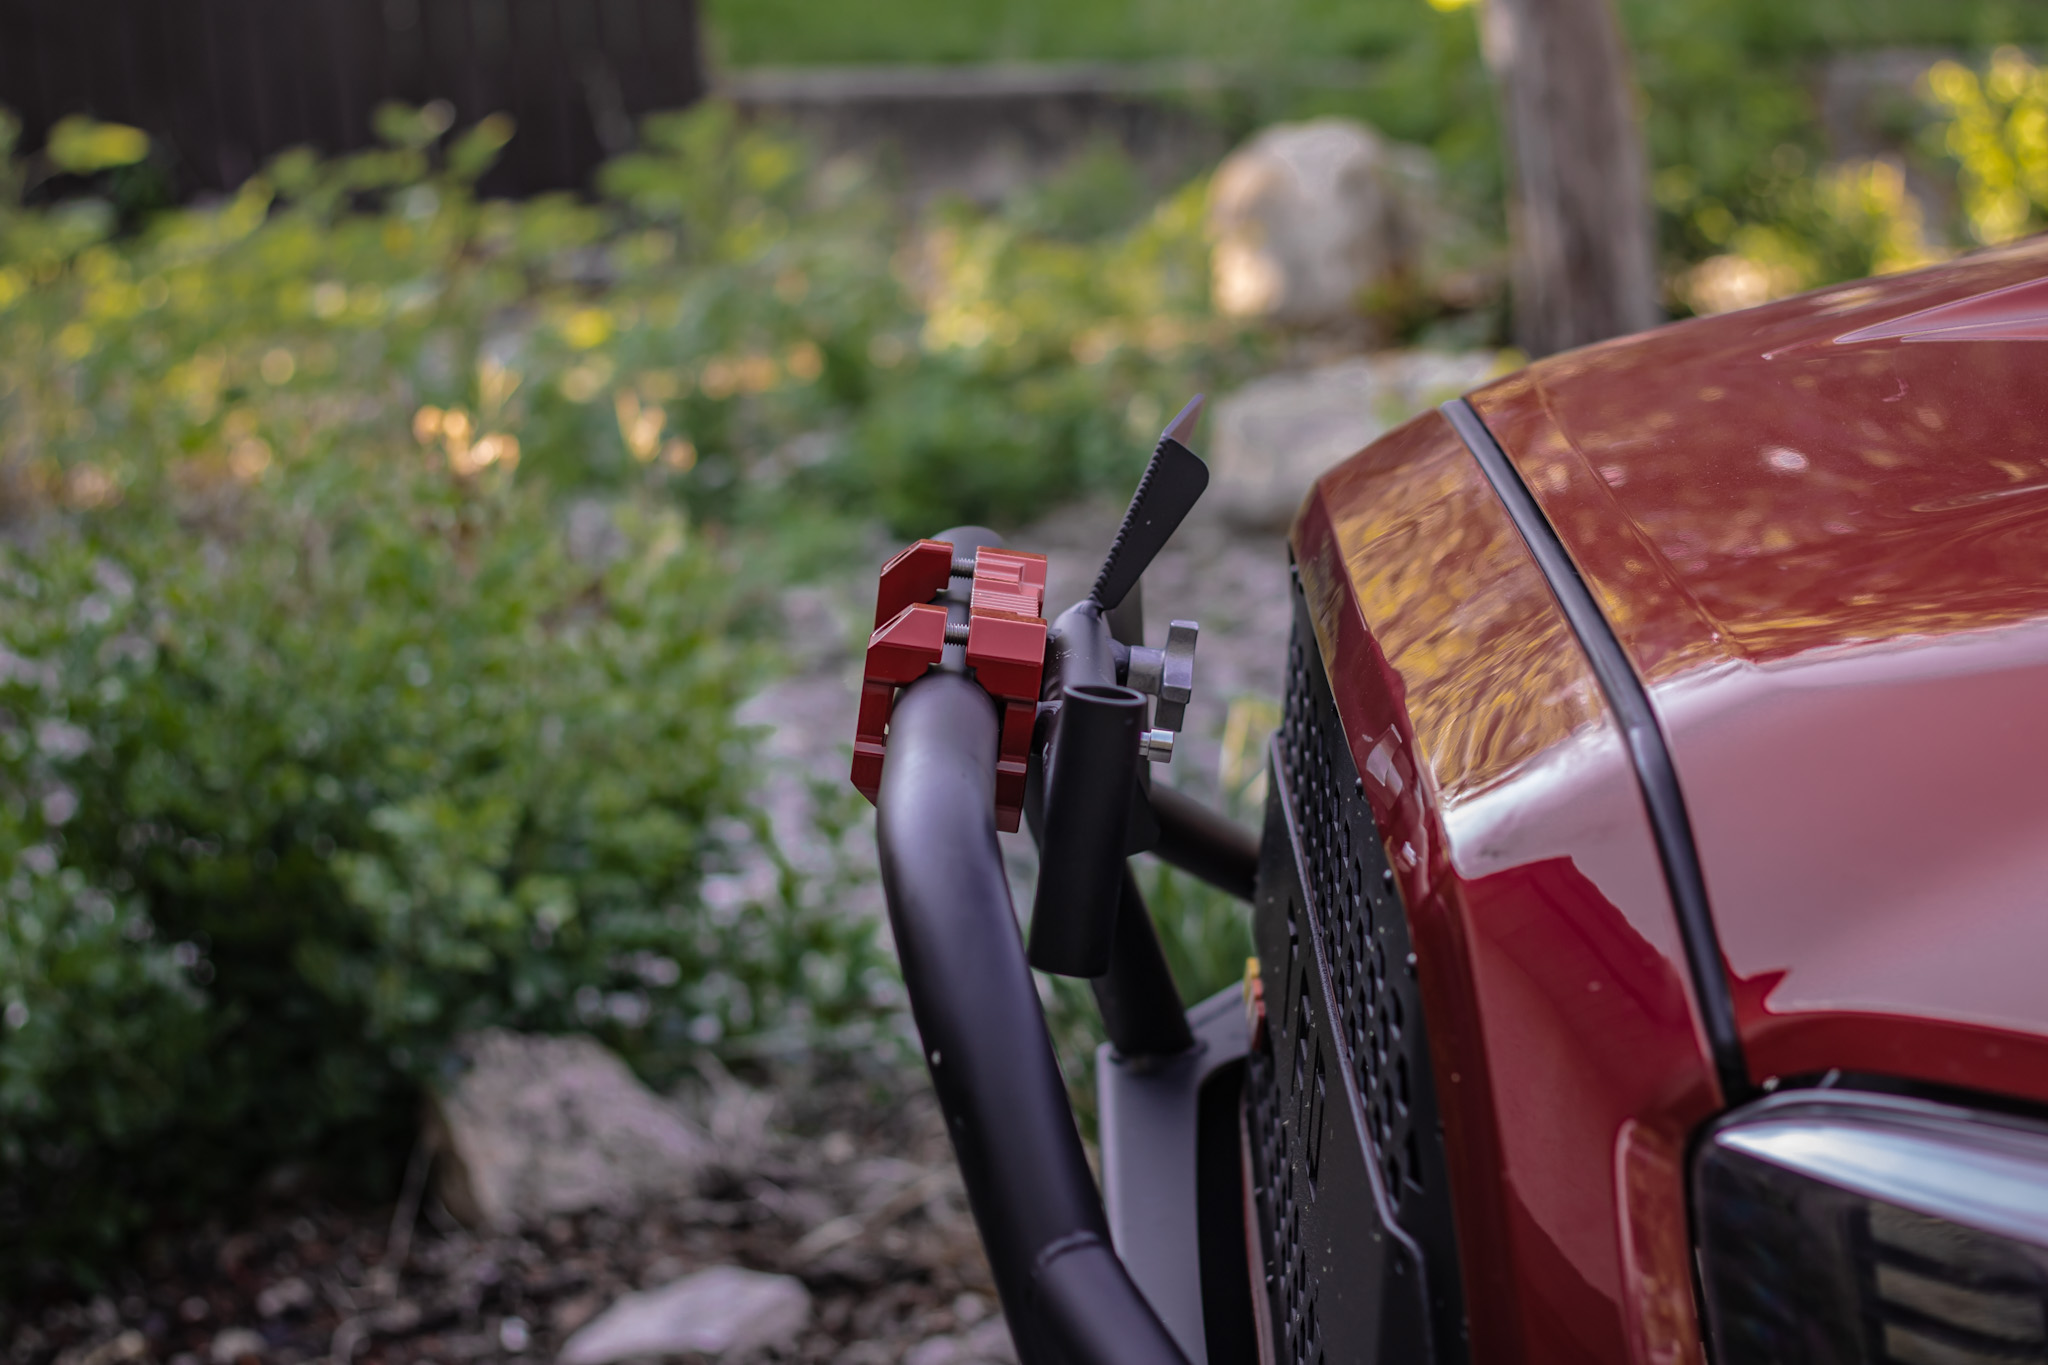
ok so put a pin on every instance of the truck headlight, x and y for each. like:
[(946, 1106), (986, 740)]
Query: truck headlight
[(1864, 1229)]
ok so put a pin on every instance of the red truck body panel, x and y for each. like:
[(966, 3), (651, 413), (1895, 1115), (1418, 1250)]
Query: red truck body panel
[(1820, 530), (1567, 1054)]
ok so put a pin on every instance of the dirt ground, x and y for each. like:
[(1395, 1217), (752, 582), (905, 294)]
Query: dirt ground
[(852, 1190)]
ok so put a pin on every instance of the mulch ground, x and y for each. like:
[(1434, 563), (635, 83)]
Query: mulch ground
[(852, 1190)]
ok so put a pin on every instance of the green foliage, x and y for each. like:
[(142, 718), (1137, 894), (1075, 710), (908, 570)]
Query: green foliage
[(385, 764), (1997, 131), (82, 146), (98, 1030), (1205, 934), (1738, 142), (317, 744), (752, 32), (925, 371), (1730, 100), (1046, 368), (324, 733)]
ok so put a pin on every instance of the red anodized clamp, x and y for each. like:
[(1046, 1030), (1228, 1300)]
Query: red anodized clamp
[(1005, 649)]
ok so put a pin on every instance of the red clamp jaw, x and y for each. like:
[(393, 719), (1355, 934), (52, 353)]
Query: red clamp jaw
[(1005, 640)]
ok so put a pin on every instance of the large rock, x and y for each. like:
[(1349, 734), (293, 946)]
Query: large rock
[(539, 1126), (717, 1312), (1274, 437), (1309, 218)]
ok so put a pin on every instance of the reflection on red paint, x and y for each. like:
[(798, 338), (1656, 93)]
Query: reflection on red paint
[(2016, 312), (1656, 1248), (1825, 546), (1548, 955)]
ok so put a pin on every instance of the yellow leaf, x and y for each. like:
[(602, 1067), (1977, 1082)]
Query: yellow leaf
[(82, 145)]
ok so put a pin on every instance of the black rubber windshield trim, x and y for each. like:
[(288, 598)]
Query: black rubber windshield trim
[(1647, 748)]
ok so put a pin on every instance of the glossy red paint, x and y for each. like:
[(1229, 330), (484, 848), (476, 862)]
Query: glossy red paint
[(1820, 529), (2018, 312), (1567, 1053)]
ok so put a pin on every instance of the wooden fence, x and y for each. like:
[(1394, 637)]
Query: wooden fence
[(221, 85)]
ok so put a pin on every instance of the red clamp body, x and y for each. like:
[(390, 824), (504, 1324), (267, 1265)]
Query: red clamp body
[(1005, 649)]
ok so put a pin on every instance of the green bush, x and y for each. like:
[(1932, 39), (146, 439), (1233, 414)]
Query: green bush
[(317, 744), (1046, 365), (380, 570), (1997, 132), (380, 765), (98, 1029)]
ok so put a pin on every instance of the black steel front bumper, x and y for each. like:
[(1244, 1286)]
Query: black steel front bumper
[(1173, 1182), (1323, 1131)]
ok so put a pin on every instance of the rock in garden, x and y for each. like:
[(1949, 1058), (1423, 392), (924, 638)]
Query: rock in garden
[(1275, 436), (988, 1344), (1308, 218), (129, 1345), (717, 1312), (236, 1344), (286, 1296), (542, 1126)]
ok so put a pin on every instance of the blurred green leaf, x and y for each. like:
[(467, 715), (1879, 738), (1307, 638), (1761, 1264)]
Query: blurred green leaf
[(472, 153), (83, 146)]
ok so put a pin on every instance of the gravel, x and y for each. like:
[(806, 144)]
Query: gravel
[(852, 1191)]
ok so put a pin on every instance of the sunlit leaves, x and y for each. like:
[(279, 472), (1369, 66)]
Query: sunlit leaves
[(1997, 131), (82, 145), (321, 739)]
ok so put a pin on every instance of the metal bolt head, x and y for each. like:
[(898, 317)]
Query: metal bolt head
[(1156, 745), (1146, 670)]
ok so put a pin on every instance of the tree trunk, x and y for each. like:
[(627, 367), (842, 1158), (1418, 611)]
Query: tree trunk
[(1584, 250)]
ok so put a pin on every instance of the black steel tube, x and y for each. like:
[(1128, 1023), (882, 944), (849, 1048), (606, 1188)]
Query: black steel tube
[(1082, 649), (1141, 1009), (1089, 780), (1095, 1310), (984, 1036), (1205, 844), (1142, 1013)]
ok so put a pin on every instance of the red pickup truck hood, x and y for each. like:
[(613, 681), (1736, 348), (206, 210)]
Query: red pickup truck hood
[(1820, 529)]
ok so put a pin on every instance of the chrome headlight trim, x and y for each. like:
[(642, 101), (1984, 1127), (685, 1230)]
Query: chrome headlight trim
[(1983, 1171), (1837, 1227)]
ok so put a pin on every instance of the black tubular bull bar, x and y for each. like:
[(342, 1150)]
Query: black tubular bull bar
[(1068, 1298)]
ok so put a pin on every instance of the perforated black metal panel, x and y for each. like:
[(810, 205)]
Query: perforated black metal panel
[(1289, 1283), (1347, 1149)]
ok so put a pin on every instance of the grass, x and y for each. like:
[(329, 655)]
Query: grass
[(1727, 84), (774, 32), (751, 32)]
